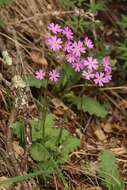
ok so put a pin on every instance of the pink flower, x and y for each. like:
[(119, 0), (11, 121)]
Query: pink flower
[(88, 74), (68, 46), (91, 63), (54, 75), (105, 61), (70, 58), (108, 69), (88, 43), (108, 78), (77, 65), (54, 43), (55, 28), (106, 64), (77, 48), (68, 33), (99, 79), (40, 74)]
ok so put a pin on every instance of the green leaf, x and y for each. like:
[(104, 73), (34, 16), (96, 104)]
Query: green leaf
[(69, 145), (68, 4), (2, 23), (108, 171), (99, 5), (37, 127), (31, 81), (123, 21), (68, 75), (48, 167), (50, 131), (49, 121), (90, 105), (77, 24), (39, 152), (56, 145), (5, 2)]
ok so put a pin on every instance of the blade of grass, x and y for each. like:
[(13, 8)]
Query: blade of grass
[(19, 178)]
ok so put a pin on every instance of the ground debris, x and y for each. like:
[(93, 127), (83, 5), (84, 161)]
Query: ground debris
[(85, 187), (18, 150), (100, 134), (38, 58)]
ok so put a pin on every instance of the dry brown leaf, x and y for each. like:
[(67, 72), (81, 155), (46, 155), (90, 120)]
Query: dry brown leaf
[(3, 188), (94, 188), (58, 112), (38, 58), (92, 167), (85, 187), (89, 167), (60, 107), (116, 126), (100, 134), (119, 151), (89, 147), (32, 6), (81, 187), (58, 103), (107, 127), (109, 32), (123, 103), (18, 150)]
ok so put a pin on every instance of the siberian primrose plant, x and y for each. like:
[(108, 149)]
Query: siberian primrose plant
[(77, 54)]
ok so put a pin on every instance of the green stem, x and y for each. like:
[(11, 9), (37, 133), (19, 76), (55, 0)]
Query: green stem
[(45, 109), (59, 136)]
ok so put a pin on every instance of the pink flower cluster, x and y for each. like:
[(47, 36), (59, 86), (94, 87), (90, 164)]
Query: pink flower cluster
[(53, 75), (77, 54)]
